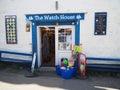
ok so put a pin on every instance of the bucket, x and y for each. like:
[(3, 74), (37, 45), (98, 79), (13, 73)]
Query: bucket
[(67, 74), (58, 71)]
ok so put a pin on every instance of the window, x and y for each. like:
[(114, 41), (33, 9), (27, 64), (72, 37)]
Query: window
[(65, 39), (100, 23), (11, 34)]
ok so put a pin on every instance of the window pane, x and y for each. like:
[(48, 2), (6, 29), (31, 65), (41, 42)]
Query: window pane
[(65, 39)]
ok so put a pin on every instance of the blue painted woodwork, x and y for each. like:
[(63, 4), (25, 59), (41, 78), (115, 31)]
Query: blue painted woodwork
[(105, 59), (15, 59), (34, 37), (55, 17), (18, 53), (104, 67), (34, 41), (51, 19), (52, 23), (63, 19), (77, 32)]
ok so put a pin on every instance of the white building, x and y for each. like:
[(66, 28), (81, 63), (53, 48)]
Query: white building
[(57, 25)]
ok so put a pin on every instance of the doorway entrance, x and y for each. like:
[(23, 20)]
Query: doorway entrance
[(57, 19), (48, 46), (54, 43)]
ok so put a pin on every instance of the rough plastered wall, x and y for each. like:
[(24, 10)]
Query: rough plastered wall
[(93, 46)]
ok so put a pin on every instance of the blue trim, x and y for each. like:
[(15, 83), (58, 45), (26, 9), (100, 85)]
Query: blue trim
[(61, 16), (62, 19), (34, 41), (16, 60), (9, 52), (52, 23), (106, 59), (13, 59), (77, 32), (34, 37), (103, 67)]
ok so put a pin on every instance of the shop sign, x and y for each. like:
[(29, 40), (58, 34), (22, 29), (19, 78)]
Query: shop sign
[(44, 17)]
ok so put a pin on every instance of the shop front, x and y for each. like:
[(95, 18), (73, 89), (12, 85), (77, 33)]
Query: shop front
[(53, 36)]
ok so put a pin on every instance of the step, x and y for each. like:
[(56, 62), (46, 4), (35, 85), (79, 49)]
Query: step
[(47, 69)]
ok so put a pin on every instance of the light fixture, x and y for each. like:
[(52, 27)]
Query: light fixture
[(27, 27), (73, 23)]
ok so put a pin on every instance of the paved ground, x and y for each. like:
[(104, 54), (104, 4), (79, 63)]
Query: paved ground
[(11, 79)]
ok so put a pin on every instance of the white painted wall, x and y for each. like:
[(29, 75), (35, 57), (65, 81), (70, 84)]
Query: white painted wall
[(93, 46)]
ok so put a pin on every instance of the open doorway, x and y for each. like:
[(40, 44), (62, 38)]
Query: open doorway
[(48, 46)]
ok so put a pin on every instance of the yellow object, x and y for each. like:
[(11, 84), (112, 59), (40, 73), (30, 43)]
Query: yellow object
[(71, 63), (77, 48)]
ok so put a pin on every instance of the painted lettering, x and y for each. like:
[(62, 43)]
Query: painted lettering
[(41, 18), (78, 17), (67, 17), (56, 17), (38, 18), (48, 17), (30, 18)]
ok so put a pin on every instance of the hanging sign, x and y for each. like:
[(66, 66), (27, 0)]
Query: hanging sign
[(44, 17)]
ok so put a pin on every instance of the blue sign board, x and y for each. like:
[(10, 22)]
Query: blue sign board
[(48, 17)]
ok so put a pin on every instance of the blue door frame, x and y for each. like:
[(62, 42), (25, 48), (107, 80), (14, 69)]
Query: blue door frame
[(51, 19)]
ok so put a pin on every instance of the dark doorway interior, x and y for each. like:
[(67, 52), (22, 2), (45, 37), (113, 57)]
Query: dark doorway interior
[(48, 46)]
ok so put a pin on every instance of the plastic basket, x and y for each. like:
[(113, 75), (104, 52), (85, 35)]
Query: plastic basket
[(74, 71), (67, 74), (58, 71)]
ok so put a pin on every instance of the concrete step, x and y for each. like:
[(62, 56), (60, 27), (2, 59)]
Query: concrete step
[(47, 69)]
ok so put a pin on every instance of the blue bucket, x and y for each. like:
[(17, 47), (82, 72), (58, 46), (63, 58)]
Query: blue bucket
[(74, 71), (67, 74), (58, 71)]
